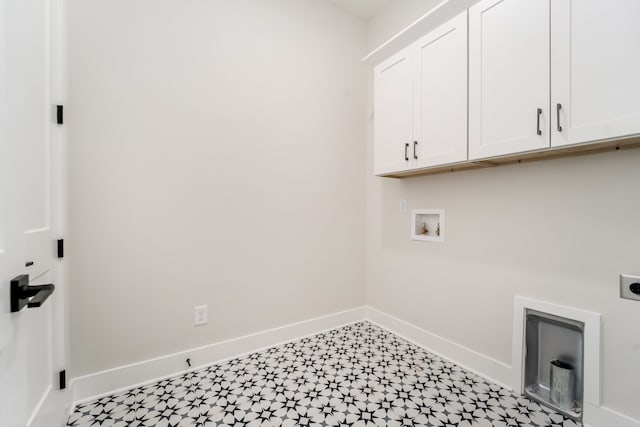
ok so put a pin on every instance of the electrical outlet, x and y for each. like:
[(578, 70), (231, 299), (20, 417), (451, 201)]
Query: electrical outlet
[(403, 205), (630, 287), (200, 315)]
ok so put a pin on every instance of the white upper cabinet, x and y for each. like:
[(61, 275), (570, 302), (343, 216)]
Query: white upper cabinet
[(440, 95), (519, 76), (421, 102), (509, 77), (393, 105), (595, 68)]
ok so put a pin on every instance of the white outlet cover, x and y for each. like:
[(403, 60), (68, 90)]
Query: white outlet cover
[(200, 315)]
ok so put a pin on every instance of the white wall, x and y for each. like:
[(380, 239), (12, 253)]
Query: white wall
[(216, 157), (556, 230), (397, 15)]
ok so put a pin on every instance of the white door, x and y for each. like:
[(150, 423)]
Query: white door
[(393, 109), (32, 339), (595, 66), (440, 105), (508, 77)]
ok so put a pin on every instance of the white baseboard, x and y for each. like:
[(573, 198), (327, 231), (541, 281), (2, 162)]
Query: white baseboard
[(491, 369), (103, 383), (601, 416), (92, 386)]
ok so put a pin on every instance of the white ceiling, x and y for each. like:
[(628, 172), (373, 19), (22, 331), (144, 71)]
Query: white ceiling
[(365, 9)]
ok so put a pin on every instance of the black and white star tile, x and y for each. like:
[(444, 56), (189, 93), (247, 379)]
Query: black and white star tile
[(357, 375)]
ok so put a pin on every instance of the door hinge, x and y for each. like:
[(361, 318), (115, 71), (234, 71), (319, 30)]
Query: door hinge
[(63, 379), (60, 248), (60, 114)]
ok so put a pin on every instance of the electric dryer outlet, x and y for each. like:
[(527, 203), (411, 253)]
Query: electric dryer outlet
[(630, 287)]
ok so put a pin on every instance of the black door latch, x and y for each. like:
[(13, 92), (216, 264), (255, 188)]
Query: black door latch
[(32, 296)]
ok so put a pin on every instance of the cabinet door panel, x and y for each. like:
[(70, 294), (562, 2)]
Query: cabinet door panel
[(508, 77), (440, 103), (595, 53), (393, 105)]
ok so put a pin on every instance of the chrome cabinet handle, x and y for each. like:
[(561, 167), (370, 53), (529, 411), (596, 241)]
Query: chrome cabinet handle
[(558, 108), (539, 132), (415, 155), (406, 147)]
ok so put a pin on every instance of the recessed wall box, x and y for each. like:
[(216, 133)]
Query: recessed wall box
[(427, 225)]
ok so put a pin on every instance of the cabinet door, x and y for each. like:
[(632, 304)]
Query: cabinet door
[(508, 77), (440, 103), (595, 65), (393, 105)]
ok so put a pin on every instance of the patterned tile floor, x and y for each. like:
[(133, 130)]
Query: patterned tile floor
[(358, 375)]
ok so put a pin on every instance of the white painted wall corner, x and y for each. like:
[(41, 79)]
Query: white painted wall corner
[(484, 366)]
